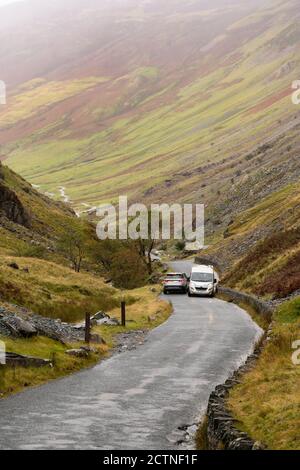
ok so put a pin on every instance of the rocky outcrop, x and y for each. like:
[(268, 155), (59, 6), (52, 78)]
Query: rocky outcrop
[(12, 208)]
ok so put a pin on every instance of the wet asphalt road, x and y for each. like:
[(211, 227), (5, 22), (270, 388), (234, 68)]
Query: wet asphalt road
[(138, 399)]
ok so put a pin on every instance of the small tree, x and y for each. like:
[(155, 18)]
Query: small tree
[(121, 261), (73, 246), (180, 245), (103, 252), (127, 270), (144, 249)]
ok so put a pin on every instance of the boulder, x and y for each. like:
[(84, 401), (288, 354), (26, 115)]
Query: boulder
[(108, 321), (89, 349), (99, 316), (49, 331), (18, 360)]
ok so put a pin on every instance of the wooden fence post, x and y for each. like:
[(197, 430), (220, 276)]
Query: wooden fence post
[(87, 327), (123, 313)]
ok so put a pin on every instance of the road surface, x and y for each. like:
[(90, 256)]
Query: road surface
[(137, 399)]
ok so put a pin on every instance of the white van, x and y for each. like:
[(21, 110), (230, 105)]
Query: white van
[(203, 281)]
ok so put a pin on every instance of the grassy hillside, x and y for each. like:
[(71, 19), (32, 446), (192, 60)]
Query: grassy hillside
[(54, 291), (31, 226), (44, 221), (144, 311), (104, 121)]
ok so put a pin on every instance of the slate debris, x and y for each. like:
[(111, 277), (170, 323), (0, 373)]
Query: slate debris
[(25, 324), (130, 340), (18, 327)]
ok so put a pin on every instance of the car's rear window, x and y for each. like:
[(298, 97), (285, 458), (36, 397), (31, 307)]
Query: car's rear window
[(174, 276)]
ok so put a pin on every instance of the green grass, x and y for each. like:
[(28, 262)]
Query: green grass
[(53, 290), (40, 94), (289, 312)]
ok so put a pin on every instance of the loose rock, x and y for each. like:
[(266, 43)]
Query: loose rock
[(13, 265), (77, 352)]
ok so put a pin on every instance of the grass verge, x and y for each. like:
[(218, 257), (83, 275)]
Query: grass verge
[(201, 435), (13, 380), (272, 414)]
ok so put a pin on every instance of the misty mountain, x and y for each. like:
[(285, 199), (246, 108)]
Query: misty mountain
[(103, 94)]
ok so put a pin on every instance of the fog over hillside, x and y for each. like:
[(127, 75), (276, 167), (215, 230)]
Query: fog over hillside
[(43, 34), (6, 2), (102, 94)]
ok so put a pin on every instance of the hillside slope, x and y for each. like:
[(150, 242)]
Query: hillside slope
[(28, 218), (34, 272), (146, 89), (261, 251), (253, 226)]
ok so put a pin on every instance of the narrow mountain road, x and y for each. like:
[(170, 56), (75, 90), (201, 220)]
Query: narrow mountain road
[(138, 399)]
